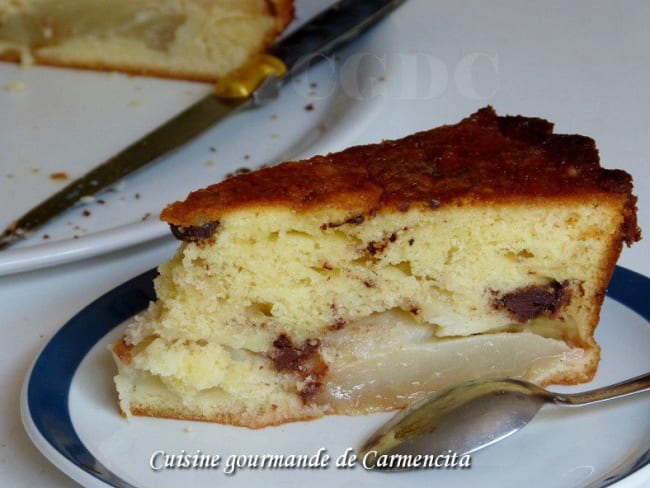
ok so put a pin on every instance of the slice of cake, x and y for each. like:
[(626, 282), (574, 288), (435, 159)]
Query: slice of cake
[(362, 280), (192, 39)]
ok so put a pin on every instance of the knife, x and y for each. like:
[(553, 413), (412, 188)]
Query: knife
[(255, 83)]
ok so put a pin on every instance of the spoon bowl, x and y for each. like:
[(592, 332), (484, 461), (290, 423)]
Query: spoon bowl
[(473, 415)]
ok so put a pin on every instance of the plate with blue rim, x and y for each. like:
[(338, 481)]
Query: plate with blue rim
[(69, 410)]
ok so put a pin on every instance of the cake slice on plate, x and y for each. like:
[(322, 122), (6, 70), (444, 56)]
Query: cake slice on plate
[(191, 39), (362, 280)]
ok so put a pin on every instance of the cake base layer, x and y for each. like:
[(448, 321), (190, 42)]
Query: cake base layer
[(380, 363)]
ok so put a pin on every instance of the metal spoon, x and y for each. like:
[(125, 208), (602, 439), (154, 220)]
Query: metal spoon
[(476, 414)]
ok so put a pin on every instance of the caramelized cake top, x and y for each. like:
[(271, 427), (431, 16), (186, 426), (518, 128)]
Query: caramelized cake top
[(484, 158)]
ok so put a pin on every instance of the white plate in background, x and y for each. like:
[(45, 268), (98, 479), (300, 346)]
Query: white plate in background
[(57, 124)]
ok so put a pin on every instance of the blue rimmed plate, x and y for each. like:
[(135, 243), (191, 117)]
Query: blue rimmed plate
[(69, 410)]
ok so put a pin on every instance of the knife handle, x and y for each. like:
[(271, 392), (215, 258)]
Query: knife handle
[(329, 30), (242, 82)]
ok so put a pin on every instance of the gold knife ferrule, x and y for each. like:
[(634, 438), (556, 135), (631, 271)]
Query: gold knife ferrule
[(243, 81)]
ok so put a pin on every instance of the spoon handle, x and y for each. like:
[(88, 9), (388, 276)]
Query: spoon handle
[(632, 386)]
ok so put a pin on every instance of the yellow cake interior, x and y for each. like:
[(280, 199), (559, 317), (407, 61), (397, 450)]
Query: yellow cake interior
[(286, 315)]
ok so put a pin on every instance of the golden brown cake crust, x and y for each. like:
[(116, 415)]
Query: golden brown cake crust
[(485, 158)]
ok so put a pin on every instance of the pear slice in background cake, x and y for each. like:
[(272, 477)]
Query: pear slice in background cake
[(189, 39)]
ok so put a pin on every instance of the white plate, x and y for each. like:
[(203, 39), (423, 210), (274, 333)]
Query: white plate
[(68, 407), (68, 121)]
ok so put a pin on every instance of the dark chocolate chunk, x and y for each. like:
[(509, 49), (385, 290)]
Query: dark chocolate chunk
[(355, 220), (288, 357), (529, 302), (372, 248), (194, 233), (352, 220), (304, 360)]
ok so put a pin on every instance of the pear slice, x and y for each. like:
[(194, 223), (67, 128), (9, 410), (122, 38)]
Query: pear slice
[(51, 22), (389, 360)]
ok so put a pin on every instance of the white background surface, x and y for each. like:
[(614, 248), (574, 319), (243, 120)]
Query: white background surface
[(582, 64)]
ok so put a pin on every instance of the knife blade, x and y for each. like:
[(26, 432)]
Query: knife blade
[(254, 84)]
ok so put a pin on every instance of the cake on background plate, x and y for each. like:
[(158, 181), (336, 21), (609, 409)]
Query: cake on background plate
[(190, 39), (362, 280)]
